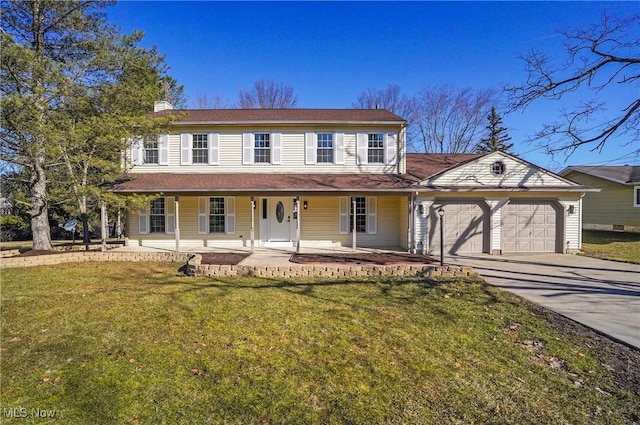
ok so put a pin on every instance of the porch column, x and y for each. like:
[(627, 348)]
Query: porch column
[(253, 231), (119, 226), (495, 223), (177, 224), (422, 208), (103, 225), (353, 227), (298, 212)]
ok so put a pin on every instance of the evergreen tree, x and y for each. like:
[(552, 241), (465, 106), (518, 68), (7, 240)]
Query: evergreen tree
[(497, 138), (73, 91)]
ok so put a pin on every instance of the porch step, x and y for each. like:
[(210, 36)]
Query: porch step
[(278, 244)]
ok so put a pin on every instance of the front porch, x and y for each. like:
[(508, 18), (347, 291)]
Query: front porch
[(219, 222)]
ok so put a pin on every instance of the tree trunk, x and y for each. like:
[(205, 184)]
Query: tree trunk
[(38, 212)]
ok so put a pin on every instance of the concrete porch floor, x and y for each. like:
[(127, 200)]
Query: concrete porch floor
[(263, 256)]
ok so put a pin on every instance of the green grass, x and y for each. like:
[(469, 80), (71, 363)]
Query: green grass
[(133, 343), (616, 246)]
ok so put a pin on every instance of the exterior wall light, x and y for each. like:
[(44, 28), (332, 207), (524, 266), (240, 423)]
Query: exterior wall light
[(305, 205)]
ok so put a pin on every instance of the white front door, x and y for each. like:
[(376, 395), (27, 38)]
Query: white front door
[(281, 215)]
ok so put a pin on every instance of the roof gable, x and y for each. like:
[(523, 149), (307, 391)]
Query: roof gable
[(477, 173), (623, 174)]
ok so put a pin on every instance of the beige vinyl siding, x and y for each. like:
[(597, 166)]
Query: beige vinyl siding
[(572, 224), (495, 217), (403, 208), (478, 173), (188, 215), (292, 153), (321, 222), (613, 205)]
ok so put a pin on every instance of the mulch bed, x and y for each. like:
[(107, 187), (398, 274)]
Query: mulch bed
[(222, 258), (364, 258)]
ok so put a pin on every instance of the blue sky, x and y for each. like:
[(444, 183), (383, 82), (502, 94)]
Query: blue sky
[(331, 51)]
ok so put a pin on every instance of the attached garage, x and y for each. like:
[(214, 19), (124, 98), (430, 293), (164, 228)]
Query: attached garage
[(465, 227), (530, 227)]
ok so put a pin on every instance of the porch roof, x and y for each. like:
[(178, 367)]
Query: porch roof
[(248, 182)]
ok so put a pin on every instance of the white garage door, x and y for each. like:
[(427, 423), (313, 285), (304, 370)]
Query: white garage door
[(529, 227), (463, 228)]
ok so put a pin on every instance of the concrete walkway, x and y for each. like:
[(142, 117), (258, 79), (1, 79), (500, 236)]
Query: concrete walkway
[(604, 295)]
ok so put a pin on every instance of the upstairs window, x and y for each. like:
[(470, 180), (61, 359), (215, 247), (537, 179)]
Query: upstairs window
[(157, 216), (636, 197), (200, 149), (151, 152), (262, 148), (375, 151), (325, 148)]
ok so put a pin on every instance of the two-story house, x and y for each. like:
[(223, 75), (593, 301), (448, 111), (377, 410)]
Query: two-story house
[(300, 178)]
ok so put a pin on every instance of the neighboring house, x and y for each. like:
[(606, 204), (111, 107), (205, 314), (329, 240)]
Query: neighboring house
[(617, 205), (7, 206), (337, 177)]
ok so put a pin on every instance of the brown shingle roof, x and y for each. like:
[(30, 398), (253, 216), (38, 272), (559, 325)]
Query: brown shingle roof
[(241, 182), (262, 116), (419, 167), (422, 166)]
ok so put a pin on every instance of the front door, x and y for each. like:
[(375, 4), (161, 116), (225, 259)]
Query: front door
[(281, 216)]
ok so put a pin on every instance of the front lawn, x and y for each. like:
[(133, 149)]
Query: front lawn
[(617, 246), (134, 343)]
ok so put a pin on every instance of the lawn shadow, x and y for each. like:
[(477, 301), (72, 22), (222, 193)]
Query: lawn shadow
[(401, 291)]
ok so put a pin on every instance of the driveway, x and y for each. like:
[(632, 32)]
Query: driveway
[(604, 295)]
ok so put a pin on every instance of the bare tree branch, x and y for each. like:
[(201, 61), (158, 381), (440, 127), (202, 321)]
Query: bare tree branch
[(600, 58), (267, 94), (449, 119)]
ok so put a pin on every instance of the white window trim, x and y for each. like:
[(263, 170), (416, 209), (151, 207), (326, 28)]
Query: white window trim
[(144, 217), (275, 148), (636, 196), (371, 213), (311, 148), (204, 210)]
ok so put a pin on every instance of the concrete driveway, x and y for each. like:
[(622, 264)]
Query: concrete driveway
[(604, 295)]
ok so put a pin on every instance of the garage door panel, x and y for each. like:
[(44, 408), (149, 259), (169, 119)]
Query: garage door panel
[(463, 228), (529, 227)]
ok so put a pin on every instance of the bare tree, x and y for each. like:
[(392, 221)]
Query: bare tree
[(448, 119), (600, 58), (268, 94), (204, 102), (389, 98)]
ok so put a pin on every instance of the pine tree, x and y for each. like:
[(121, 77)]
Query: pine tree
[(497, 138), (72, 90)]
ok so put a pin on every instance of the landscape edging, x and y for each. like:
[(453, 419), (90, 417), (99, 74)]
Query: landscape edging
[(213, 270)]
